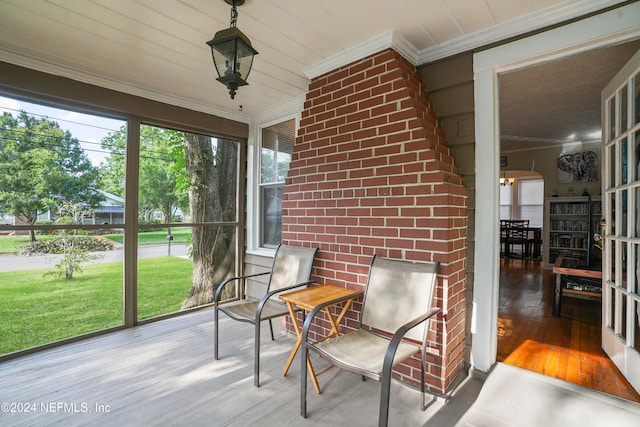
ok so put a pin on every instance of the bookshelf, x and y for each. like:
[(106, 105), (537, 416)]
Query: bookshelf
[(569, 225)]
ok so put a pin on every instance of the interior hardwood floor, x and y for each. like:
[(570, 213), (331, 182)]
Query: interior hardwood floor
[(566, 347)]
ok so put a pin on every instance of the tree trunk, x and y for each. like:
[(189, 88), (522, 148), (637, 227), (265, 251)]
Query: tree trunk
[(212, 179)]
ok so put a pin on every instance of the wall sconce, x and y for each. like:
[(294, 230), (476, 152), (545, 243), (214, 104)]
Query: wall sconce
[(232, 53)]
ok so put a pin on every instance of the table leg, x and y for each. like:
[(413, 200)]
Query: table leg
[(297, 345), (557, 295), (335, 322), (292, 313), (538, 241)]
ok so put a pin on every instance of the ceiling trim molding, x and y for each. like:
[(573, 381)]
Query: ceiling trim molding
[(83, 76), (531, 139), (388, 39), (571, 146), (564, 11)]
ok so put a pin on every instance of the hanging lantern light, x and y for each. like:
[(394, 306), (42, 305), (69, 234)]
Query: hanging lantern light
[(232, 53)]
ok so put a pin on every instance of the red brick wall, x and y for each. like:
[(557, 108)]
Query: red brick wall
[(372, 174)]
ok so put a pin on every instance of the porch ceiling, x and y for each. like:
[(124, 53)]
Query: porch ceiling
[(156, 48)]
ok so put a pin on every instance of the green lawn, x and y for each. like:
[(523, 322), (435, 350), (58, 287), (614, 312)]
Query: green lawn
[(12, 244), (38, 309), (156, 237)]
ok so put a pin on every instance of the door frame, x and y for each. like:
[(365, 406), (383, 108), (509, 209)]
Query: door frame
[(614, 338), (607, 29)]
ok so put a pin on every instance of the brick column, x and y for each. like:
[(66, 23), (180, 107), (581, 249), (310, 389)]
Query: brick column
[(372, 174)]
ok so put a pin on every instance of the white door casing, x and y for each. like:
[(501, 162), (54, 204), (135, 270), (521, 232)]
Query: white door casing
[(610, 28)]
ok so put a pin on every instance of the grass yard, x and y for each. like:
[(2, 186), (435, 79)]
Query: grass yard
[(38, 309), (12, 244), (180, 234)]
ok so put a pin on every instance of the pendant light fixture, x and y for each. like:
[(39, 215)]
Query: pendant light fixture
[(504, 180), (232, 53)]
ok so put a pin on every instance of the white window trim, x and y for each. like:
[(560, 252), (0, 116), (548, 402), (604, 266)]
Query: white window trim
[(291, 110)]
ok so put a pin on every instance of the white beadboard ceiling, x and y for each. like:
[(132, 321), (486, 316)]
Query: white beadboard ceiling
[(156, 48)]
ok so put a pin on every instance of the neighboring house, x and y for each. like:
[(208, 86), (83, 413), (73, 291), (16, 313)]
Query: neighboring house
[(110, 210), (6, 219)]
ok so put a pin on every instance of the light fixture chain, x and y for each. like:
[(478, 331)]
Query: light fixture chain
[(234, 15)]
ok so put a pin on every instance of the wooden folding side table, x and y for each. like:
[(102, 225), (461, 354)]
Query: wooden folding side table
[(307, 299)]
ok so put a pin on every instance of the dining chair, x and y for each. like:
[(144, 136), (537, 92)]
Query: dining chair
[(518, 237), (397, 305), (291, 269), (504, 237)]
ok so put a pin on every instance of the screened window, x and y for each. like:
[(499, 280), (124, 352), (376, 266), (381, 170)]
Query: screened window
[(187, 187), (65, 202), (275, 156), (56, 211)]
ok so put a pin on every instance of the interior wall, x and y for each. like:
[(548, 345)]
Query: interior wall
[(543, 161)]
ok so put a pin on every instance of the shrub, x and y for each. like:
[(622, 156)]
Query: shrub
[(43, 222), (55, 246)]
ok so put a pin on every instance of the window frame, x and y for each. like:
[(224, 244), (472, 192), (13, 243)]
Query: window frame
[(277, 184), (254, 207), (59, 92)]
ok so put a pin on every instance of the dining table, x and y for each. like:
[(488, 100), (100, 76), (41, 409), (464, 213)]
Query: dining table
[(518, 232)]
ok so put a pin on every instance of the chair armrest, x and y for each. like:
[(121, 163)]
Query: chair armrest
[(218, 291), (401, 332), (317, 308), (268, 295)]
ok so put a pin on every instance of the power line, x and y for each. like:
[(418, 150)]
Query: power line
[(45, 137), (56, 119)]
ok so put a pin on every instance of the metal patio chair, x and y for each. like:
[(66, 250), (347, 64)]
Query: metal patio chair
[(291, 269), (397, 306)]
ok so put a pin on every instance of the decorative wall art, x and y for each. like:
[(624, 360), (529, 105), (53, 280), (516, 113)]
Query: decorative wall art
[(581, 166)]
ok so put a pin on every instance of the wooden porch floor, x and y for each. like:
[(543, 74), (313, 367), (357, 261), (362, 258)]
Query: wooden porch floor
[(164, 373), (566, 347)]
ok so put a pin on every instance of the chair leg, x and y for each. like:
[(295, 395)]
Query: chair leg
[(215, 332), (383, 417), (271, 329), (304, 351), (256, 356), (423, 406)]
